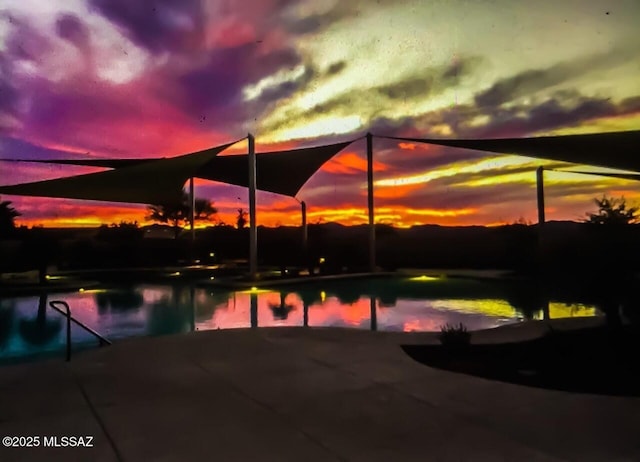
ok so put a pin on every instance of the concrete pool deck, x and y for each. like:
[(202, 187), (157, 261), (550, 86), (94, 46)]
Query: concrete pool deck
[(307, 394)]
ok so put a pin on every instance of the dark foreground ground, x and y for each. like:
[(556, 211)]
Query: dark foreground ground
[(303, 394), (601, 360)]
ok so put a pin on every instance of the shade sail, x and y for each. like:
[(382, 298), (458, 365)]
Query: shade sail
[(106, 163), (281, 172), (155, 182), (619, 150)]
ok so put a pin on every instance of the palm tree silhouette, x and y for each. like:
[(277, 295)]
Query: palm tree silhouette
[(241, 219), (7, 217), (204, 209), (176, 214)]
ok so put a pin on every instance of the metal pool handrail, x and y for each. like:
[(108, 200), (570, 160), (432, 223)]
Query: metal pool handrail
[(67, 313)]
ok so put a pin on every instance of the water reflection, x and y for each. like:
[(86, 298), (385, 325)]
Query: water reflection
[(564, 310), (192, 306), (124, 299), (207, 302), (172, 314), (253, 298), (7, 316), (375, 304), (528, 299), (40, 330), (281, 310), (308, 298), (373, 313)]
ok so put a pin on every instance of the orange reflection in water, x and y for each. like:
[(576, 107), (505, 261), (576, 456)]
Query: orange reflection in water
[(333, 312), (281, 309), (272, 308), (161, 310), (235, 311), (422, 325)]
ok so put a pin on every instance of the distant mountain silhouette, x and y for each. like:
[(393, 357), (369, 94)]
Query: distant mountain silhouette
[(558, 246)]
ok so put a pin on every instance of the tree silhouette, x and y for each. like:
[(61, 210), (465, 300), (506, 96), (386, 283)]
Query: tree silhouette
[(7, 217), (174, 214), (178, 213), (613, 211), (241, 219), (204, 209), (124, 231), (612, 255)]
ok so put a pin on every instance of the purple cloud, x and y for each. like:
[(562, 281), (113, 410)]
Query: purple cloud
[(157, 25), (70, 28), (556, 112), (12, 148), (9, 98), (213, 93)]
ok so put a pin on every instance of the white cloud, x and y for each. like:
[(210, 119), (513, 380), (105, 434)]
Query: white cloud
[(113, 56), (254, 91), (392, 42), (316, 128)]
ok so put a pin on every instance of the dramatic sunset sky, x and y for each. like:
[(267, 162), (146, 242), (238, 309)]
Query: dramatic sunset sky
[(134, 78)]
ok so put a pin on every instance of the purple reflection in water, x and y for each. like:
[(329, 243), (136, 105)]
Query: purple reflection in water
[(148, 310)]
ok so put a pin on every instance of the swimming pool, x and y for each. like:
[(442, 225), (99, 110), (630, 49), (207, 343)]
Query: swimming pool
[(28, 328)]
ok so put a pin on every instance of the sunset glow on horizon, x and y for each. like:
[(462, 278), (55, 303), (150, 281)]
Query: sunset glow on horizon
[(122, 79)]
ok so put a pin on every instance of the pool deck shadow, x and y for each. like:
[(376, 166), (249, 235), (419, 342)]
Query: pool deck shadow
[(301, 394)]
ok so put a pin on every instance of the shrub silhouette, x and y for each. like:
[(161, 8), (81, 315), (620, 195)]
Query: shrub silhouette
[(613, 211), (455, 336)]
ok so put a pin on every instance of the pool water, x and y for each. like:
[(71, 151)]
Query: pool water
[(29, 328)]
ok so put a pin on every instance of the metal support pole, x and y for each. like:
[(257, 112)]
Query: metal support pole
[(305, 230), (540, 190), (192, 209), (540, 259), (253, 235), (192, 217), (372, 229)]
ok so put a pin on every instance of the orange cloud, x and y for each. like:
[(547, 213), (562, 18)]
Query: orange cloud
[(78, 216), (346, 214), (349, 163), (407, 146), (399, 206), (395, 192)]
